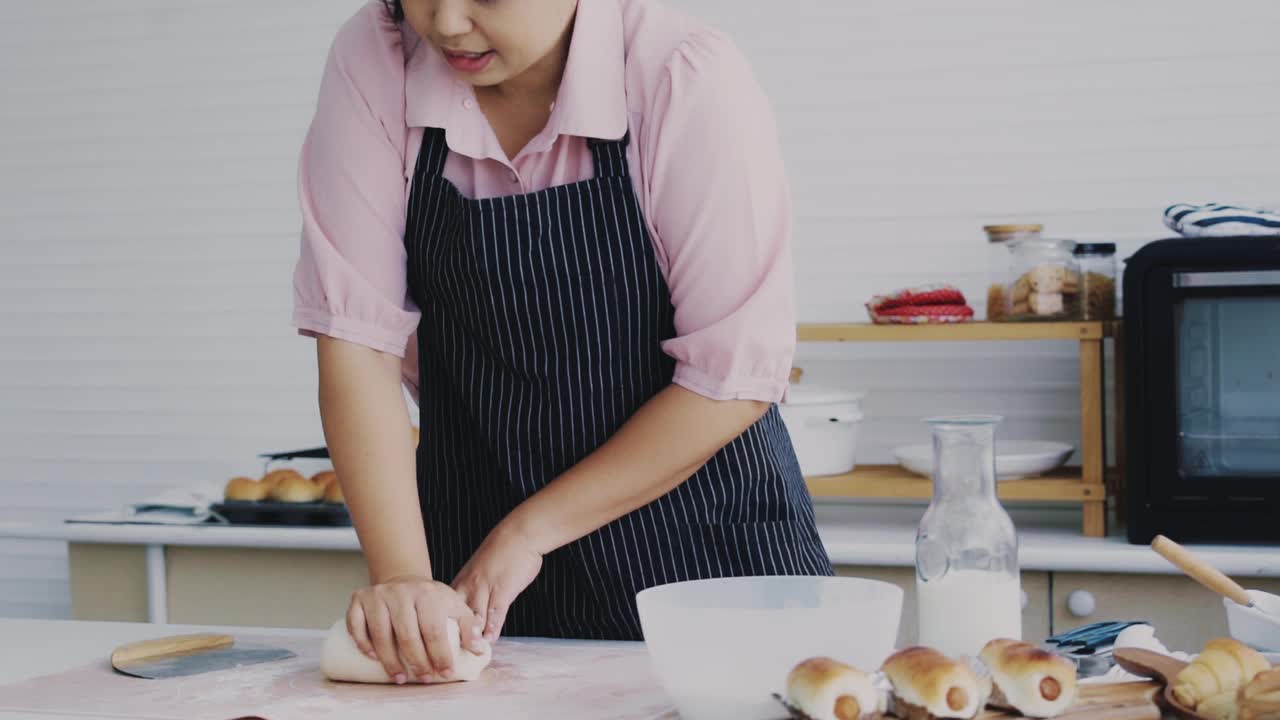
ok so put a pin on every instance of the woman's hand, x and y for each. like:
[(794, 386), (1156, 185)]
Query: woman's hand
[(501, 568), (405, 617)]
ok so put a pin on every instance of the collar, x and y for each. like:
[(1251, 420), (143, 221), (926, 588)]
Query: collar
[(591, 103)]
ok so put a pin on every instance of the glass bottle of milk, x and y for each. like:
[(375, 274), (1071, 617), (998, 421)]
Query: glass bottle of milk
[(968, 589)]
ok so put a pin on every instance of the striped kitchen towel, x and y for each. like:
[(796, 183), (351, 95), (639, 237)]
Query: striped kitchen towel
[(1218, 220)]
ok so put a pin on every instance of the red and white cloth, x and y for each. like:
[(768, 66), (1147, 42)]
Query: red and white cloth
[(937, 303)]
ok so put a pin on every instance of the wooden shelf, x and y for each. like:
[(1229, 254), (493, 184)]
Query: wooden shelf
[(869, 332), (892, 481), (1086, 485)]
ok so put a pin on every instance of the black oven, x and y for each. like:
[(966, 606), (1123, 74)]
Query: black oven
[(1202, 389)]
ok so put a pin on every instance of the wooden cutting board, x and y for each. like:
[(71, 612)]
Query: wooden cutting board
[(1104, 701)]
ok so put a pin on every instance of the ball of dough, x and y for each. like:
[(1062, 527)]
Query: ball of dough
[(340, 659), (296, 489), (245, 488)]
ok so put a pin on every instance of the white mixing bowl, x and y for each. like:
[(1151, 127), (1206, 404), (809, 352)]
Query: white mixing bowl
[(1258, 627), (720, 647)]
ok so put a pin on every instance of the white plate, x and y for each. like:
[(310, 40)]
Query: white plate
[(1013, 459)]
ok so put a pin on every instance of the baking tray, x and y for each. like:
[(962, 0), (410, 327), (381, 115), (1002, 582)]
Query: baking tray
[(266, 512), (316, 452)]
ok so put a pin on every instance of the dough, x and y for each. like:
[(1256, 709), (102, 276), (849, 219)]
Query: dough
[(340, 659)]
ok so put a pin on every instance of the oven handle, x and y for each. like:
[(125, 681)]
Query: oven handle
[(1241, 278)]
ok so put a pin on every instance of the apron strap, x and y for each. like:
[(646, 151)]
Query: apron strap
[(433, 153), (610, 156)]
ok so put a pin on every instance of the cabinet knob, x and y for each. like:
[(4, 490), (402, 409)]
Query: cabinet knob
[(1081, 603), (1026, 600)]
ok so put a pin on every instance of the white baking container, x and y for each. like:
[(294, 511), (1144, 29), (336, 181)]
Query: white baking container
[(1258, 626), (823, 424)]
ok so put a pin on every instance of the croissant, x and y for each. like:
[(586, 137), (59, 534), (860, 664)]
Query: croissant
[(1260, 698), (1224, 665), (1220, 707)]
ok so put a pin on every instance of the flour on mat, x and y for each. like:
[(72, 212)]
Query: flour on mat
[(567, 681)]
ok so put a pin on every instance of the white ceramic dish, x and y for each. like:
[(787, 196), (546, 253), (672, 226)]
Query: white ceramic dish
[(1014, 459), (823, 424), (720, 647), (1259, 628)]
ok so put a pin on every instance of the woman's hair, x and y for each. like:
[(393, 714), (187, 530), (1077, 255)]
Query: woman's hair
[(395, 8)]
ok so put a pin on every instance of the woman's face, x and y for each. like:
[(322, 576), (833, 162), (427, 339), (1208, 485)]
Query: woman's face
[(487, 42)]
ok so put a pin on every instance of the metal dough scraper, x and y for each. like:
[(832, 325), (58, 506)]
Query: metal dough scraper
[(179, 655)]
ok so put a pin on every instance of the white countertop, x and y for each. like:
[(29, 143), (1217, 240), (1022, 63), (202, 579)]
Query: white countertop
[(854, 535), (38, 648), (60, 670), (33, 648)]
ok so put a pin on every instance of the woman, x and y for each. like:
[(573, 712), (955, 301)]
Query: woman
[(565, 226)]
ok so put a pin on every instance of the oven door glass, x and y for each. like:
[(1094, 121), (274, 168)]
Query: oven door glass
[(1227, 353)]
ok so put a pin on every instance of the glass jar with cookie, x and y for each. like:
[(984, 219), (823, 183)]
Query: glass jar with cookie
[(1044, 280), (999, 239)]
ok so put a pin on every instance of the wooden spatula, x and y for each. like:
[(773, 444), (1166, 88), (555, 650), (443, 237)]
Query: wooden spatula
[(1162, 669), (179, 655)]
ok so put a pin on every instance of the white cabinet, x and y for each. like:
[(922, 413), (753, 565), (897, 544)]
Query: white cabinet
[(310, 588)]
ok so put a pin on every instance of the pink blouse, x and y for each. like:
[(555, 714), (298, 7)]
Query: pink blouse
[(704, 157)]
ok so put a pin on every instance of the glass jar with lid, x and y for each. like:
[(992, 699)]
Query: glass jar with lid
[(999, 240), (1097, 280), (1044, 280)]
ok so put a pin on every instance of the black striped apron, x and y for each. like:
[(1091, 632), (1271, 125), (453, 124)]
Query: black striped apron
[(542, 319)]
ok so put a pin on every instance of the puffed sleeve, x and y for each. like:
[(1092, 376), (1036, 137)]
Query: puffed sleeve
[(720, 204), (349, 281)]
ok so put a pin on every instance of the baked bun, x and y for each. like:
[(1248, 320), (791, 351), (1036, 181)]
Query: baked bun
[(297, 490), (244, 488), (928, 684), (825, 689), (323, 478), (333, 493), (1223, 665), (1028, 679), (1260, 698), (275, 477)]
